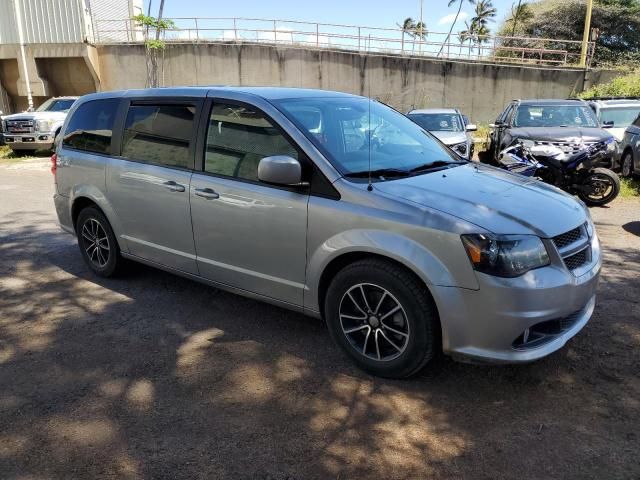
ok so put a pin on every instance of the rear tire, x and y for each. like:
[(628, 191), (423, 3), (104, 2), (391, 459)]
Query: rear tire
[(98, 244), (607, 183), (626, 165), (383, 318)]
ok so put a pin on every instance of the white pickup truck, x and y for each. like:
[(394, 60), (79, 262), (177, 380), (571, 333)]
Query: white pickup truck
[(27, 132)]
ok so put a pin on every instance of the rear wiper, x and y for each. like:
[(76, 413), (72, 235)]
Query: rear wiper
[(381, 172), (437, 165)]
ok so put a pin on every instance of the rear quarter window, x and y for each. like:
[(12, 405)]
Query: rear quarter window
[(90, 127)]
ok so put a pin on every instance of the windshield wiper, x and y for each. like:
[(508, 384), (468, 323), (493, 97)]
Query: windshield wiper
[(381, 172), (437, 165)]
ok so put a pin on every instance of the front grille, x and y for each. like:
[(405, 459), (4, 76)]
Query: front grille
[(568, 238), (576, 261), (544, 332), (567, 147), (20, 126), (574, 247)]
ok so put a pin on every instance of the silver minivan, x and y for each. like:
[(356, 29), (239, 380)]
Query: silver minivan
[(335, 206)]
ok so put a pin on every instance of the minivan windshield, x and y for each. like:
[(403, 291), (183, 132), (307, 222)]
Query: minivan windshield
[(352, 131), (56, 105), (554, 116), (438, 122)]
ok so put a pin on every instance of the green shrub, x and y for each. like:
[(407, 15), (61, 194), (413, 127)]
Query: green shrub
[(625, 86)]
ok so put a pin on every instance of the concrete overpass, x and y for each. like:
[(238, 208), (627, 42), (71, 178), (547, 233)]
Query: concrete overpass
[(68, 55), (46, 48)]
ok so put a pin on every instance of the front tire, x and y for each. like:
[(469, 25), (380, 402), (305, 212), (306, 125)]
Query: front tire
[(383, 318), (604, 186), (626, 165), (24, 153), (97, 242)]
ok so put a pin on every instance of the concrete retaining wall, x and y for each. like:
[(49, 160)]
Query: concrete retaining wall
[(480, 90)]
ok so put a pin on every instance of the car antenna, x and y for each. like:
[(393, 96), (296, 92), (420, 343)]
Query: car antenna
[(370, 185)]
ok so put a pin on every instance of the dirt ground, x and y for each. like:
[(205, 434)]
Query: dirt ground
[(154, 376)]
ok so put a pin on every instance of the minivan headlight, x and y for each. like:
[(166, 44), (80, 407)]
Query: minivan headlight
[(505, 255)]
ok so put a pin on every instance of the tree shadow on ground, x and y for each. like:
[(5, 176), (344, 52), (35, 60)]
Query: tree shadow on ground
[(155, 376)]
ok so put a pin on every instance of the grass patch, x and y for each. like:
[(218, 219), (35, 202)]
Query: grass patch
[(629, 187), (7, 155)]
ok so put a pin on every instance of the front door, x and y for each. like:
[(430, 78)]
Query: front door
[(149, 184), (247, 234)]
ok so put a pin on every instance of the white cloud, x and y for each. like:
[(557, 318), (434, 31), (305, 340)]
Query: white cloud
[(448, 19)]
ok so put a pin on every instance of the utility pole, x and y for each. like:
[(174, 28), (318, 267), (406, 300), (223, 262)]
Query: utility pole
[(585, 36)]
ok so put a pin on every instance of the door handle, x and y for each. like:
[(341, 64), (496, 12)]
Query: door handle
[(207, 193), (173, 186)]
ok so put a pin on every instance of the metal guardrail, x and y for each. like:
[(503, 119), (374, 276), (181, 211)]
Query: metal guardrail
[(488, 48)]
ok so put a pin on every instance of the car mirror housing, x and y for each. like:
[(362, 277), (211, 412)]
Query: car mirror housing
[(281, 170), (472, 127), (608, 124)]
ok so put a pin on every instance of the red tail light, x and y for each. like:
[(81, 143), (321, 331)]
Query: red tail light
[(54, 163)]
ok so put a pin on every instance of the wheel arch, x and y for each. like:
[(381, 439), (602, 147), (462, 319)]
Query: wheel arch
[(86, 196), (343, 260)]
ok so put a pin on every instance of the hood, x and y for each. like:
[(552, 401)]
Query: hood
[(561, 134), (450, 138), (36, 116), (494, 199), (618, 133)]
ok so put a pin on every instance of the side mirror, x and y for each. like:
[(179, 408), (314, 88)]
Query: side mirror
[(472, 127), (608, 124), (281, 170)]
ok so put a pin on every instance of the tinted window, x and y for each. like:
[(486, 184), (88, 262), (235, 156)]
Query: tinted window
[(159, 134), (239, 137), (91, 126), (636, 122)]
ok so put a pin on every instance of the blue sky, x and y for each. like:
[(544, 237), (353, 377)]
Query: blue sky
[(374, 13)]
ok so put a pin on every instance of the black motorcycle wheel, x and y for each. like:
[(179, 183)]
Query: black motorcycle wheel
[(601, 187)]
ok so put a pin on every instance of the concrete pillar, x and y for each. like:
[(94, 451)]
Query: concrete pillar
[(39, 86)]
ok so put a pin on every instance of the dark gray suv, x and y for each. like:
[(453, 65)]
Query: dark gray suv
[(568, 124)]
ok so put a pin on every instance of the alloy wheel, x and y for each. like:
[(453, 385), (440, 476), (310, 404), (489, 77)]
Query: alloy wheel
[(95, 242), (626, 165), (374, 322)]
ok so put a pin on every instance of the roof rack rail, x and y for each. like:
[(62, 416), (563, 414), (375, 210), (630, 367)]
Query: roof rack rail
[(614, 98)]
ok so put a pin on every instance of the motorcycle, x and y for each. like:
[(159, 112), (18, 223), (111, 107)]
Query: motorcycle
[(576, 173)]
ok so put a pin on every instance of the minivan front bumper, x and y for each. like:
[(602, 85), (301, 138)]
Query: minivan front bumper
[(517, 320)]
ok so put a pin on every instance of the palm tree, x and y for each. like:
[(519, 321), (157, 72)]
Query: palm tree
[(451, 2), (519, 14), (408, 27), (481, 36), (419, 32), (485, 13), (468, 34)]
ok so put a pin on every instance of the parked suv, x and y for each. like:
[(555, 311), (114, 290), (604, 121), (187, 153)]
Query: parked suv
[(568, 124), (616, 114), (630, 148), (449, 126), (335, 206), (27, 132)]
